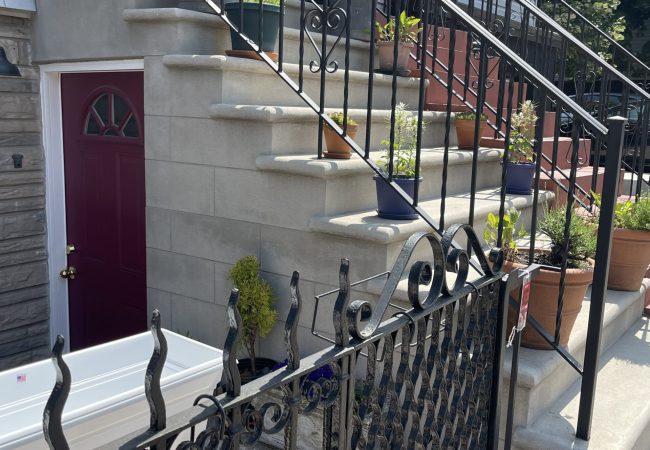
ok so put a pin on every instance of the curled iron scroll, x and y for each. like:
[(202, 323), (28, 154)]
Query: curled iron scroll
[(363, 320), (157, 414), (52, 426), (332, 19)]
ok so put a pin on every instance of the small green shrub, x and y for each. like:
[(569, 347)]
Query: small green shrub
[(522, 139), (582, 238), (509, 232), (469, 115), (406, 126), (337, 117), (630, 215), (255, 302), (408, 30), (265, 2)]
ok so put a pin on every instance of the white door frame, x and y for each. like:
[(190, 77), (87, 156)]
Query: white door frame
[(55, 179)]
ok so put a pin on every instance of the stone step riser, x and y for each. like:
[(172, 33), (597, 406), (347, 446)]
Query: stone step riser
[(239, 81)]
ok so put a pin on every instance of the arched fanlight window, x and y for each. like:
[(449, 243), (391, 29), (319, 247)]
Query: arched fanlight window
[(110, 115)]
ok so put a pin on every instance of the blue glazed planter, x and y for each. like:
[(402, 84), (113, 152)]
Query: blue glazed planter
[(389, 204), (519, 179)]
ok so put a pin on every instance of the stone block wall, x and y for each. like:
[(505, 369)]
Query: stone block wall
[(24, 306)]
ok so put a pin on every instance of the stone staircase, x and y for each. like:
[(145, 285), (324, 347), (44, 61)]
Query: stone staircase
[(232, 170)]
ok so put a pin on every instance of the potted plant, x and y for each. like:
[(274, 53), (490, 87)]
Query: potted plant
[(544, 292), (391, 205), (521, 155), (250, 26), (464, 122), (408, 35), (630, 254), (337, 148), (257, 313)]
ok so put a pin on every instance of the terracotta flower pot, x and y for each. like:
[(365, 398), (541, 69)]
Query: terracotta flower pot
[(337, 148), (629, 259), (465, 133), (386, 50), (542, 303)]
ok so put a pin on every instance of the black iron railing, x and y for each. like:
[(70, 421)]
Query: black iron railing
[(425, 377)]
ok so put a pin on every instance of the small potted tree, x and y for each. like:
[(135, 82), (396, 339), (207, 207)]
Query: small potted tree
[(545, 288), (390, 204), (408, 35), (270, 10), (464, 123), (337, 148), (521, 155), (630, 254), (257, 313)]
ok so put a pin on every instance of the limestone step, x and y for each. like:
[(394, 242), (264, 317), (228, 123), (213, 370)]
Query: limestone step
[(544, 376), (366, 226), (348, 184), (178, 30), (294, 129), (210, 79), (621, 418)]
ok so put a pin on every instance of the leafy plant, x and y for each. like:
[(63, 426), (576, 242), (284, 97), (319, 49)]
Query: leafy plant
[(255, 302), (408, 29), (337, 117), (630, 215), (582, 238), (522, 139), (404, 143), (469, 115), (509, 232)]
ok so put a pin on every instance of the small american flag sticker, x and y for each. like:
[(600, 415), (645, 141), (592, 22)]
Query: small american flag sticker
[(21, 378)]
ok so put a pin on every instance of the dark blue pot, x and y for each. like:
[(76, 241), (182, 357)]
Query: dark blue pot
[(270, 24), (389, 203), (519, 178)]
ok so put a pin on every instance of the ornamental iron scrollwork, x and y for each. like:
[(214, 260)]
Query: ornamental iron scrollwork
[(52, 425), (323, 19)]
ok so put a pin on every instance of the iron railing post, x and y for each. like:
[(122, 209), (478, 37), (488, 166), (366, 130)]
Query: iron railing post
[(601, 270)]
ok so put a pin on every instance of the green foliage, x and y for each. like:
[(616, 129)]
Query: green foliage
[(337, 117), (603, 14), (469, 115), (265, 2), (522, 139), (406, 126), (408, 29), (509, 232), (582, 237), (630, 215), (255, 302)]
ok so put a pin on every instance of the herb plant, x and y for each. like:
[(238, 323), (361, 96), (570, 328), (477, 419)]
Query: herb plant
[(582, 238), (406, 125), (265, 2), (522, 139), (255, 302), (469, 115), (631, 215), (408, 29), (337, 117)]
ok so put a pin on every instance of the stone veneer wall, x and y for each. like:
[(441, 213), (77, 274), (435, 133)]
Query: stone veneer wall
[(24, 307)]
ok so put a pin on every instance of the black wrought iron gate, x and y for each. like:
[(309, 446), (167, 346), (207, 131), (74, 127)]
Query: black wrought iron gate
[(425, 377)]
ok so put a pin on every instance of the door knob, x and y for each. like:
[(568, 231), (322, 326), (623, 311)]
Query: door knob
[(69, 249), (68, 272)]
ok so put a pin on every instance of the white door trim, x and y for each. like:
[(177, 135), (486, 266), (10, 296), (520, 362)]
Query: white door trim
[(55, 179)]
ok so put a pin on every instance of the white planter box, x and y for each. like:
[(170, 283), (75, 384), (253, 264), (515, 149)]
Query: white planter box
[(107, 398)]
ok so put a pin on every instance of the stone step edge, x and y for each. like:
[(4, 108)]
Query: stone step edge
[(295, 114), (366, 226), (229, 63), (557, 430), (311, 166), (158, 15)]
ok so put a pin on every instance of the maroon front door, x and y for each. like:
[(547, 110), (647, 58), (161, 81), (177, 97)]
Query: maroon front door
[(103, 146)]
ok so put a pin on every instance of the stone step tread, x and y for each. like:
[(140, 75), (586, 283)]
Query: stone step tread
[(230, 63), (366, 226), (157, 15), (621, 417), (297, 114), (311, 166)]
